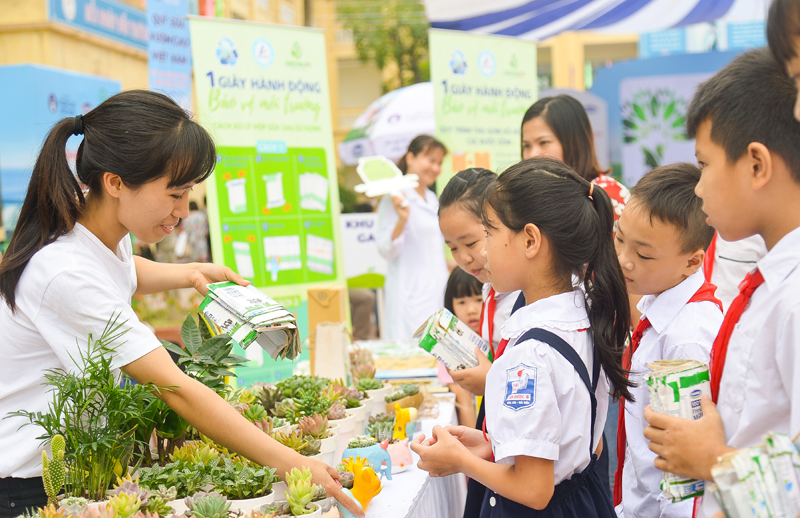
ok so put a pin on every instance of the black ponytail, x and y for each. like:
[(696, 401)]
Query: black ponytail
[(139, 135), (420, 144), (468, 189), (578, 221)]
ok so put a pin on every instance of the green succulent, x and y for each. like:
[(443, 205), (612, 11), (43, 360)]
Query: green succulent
[(408, 389), (346, 479), (336, 412), (362, 372), (361, 441), (54, 470), (307, 446), (352, 403), (369, 384), (254, 412), (381, 430), (132, 488), (267, 396), (242, 480), (281, 408), (315, 426), (320, 493), (125, 504), (207, 505), (307, 404), (381, 418), (291, 387), (273, 510), (300, 491)]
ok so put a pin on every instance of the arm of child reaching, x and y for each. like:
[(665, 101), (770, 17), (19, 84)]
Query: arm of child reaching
[(153, 277), (474, 379), (444, 454), (215, 418), (684, 447)]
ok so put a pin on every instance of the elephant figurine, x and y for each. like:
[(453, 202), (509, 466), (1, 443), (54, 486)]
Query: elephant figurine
[(377, 454)]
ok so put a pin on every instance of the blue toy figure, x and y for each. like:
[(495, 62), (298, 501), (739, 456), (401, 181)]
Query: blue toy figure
[(377, 454)]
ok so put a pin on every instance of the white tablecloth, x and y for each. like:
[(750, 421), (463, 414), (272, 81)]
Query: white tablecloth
[(413, 494)]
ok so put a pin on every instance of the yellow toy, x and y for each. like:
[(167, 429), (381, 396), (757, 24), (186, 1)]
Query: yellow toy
[(366, 484), (402, 417)]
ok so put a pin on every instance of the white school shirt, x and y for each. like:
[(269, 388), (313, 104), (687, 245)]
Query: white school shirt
[(555, 421), (417, 270), (760, 387), (732, 261), (68, 290), (502, 310), (678, 331)]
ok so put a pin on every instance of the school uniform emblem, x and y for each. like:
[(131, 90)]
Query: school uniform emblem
[(520, 387)]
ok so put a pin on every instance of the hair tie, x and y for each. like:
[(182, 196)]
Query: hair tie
[(77, 128), (591, 190)]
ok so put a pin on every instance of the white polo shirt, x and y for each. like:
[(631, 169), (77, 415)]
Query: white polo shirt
[(538, 404), (69, 289), (503, 306), (678, 331), (760, 387)]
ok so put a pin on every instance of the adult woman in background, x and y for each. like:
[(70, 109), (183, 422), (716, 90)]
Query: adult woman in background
[(410, 239)]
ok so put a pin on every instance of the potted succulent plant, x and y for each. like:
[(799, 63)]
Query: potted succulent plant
[(346, 420), (316, 427), (407, 395), (207, 505), (300, 496), (365, 380), (244, 483), (306, 446)]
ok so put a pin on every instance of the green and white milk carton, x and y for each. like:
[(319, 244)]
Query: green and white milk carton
[(675, 388), (450, 341), (248, 315)]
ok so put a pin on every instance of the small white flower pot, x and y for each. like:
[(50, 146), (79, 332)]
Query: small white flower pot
[(347, 428), (378, 396), (328, 449), (361, 419), (249, 504)]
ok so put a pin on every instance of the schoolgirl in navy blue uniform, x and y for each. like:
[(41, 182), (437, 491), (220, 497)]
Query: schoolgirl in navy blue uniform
[(547, 389)]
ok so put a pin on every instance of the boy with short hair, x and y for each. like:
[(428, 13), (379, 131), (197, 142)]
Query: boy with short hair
[(747, 146), (661, 241)]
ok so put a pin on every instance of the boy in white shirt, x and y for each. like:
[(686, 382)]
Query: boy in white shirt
[(747, 146), (661, 241)]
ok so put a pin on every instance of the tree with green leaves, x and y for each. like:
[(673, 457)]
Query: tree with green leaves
[(391, 33)]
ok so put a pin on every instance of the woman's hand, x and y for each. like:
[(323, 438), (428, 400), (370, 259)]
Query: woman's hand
[(203, 274), (402, 207), (323, 474), (441, 455), (473, 379)]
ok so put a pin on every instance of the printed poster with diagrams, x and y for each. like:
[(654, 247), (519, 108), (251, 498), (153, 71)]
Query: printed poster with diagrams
[(482, 87), (273, 199)]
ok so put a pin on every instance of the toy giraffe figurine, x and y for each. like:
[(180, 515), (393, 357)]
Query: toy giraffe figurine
[(366, 485), (402, 417)]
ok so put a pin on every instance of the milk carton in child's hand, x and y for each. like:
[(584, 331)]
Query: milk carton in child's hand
[(450, 340), (675, 388), (248, 315)]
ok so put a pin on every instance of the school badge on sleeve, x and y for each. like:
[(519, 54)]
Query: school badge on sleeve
[(520, 387)]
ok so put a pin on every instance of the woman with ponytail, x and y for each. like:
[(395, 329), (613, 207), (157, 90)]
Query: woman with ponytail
[(547, 389), (69, 269), (409, 238)]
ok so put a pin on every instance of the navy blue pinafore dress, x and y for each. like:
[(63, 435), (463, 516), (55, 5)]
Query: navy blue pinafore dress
[(581, 496)]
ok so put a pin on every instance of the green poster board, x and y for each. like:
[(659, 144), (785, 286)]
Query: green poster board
[(273, 200), (482, 87)]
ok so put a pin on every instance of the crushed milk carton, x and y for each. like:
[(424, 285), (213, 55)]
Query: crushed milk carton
[(761, 481), (676, 387), (248, 315), (450, 340)]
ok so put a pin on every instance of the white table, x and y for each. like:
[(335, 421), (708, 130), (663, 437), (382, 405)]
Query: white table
[(412, 493)]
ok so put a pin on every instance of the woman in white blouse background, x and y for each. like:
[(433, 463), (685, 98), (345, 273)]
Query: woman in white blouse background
[(410, 239)]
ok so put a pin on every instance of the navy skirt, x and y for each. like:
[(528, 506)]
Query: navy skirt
[(582, 496)]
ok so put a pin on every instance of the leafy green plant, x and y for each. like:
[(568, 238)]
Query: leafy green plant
[(185, 479), (369, 384), (96, 415), (240, 480), (208, 361), (267, 395), (381, 418), (405, 390)]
